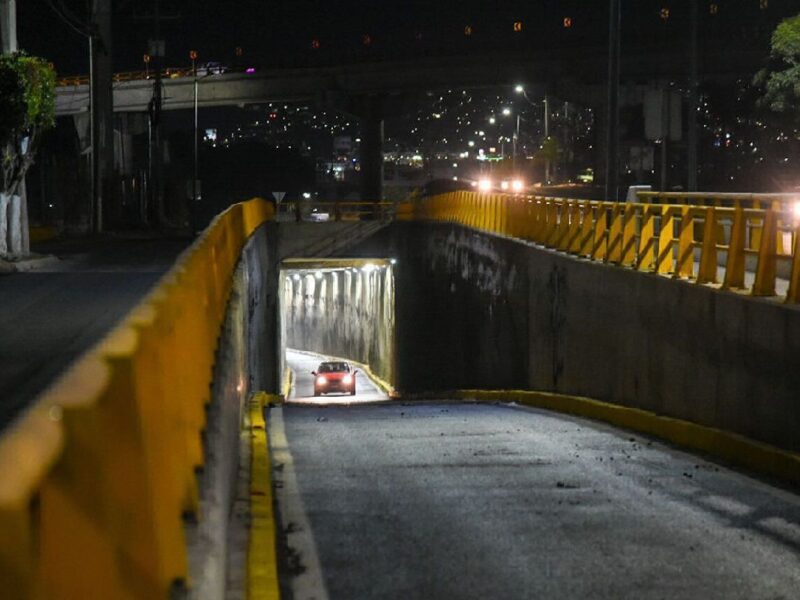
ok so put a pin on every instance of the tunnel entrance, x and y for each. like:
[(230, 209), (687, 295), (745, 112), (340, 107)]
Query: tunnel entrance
[(338, 311)]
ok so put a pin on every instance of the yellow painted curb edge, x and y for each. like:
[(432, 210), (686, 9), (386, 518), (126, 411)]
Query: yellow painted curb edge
[(262, 565), (731, 447), (288, 381)]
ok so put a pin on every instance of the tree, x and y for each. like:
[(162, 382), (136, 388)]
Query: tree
[(27, 109), (781, 79)]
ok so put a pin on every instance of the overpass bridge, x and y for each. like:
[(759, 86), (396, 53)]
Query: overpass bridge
[(570, 377), (560, 70)]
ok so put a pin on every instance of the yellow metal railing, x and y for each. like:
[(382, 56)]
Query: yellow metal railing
[(96, 475), (707, 244)]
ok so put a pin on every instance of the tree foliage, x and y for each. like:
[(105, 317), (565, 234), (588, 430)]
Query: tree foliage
[(781, 80), (27, 108)]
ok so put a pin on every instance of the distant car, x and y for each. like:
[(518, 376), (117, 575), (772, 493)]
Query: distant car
[(211, 68), (318, 216), (334, 376)]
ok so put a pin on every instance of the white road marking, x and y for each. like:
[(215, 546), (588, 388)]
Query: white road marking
[(310, 584)]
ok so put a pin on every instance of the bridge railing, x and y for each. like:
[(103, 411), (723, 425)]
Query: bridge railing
[(96, 476), (318, 211), (745, 249)]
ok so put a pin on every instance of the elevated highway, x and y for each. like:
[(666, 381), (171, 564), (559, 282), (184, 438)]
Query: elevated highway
[(561, 71), (606, 321)]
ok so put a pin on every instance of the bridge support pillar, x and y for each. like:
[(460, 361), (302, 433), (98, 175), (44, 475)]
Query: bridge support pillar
[(371, 154)]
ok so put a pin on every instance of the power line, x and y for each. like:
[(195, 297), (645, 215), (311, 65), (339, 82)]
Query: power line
[(65, 15)]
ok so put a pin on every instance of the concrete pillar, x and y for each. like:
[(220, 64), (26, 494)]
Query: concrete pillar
[(8, 25), (372, 149), (3, 224)]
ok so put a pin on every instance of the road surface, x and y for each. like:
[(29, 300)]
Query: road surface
[(302, 363), (458, 500), (52, 315)]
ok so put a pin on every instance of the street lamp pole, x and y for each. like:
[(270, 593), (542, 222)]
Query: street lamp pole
[(193, 56), (612, 141), (546, 137)]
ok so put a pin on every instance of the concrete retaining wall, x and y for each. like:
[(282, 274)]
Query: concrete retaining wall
[(480, 311), (244, 363)]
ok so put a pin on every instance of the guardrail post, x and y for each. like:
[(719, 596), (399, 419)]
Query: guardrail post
[(766, 267), (708, 253), (646, 250), (578, 213), (735, 264), (666, 240), (587, 230), (629, 235), (600, 240), (685, 263), (569, 217), (614, 254)]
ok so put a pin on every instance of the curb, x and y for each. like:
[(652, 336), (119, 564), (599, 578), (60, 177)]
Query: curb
[(262, 564)]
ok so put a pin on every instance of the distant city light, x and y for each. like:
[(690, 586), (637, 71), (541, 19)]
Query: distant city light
[(519, 89), (506, 111), (250, 70)]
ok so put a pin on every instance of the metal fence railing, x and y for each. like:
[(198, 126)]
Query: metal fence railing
[(740, 242)]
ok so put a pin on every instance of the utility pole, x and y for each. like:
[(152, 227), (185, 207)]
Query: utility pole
[(612, 145), (155, 154), (101, 71), (691, 142)]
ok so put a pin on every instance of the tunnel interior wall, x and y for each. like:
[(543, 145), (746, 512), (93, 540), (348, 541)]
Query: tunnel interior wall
[(482, 311), (349, 313)]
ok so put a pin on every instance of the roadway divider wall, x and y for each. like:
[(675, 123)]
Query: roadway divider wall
[(99, 473), (489, 312)]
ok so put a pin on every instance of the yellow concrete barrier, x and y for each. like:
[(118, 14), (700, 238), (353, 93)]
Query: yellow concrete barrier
[(97, 475), (649, 236), (262, 564)]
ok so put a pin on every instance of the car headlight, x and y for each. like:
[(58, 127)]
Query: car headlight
[(347, 379), (322, 380)]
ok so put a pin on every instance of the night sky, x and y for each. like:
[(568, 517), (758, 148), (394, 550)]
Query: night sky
[(269, 32)]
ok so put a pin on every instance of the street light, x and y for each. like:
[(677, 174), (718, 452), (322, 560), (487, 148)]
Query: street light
[(193, 56), (521, 90)]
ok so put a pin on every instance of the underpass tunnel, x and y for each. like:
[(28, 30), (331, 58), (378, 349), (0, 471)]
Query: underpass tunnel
[(339, 310)]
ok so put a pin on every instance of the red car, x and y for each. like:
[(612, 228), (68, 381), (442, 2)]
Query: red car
[(334, 377)]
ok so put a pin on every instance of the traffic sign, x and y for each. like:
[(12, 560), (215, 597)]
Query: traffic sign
[(278, 196)]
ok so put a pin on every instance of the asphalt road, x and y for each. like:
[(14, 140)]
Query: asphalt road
[(51, 315), (456, 500), (302, 363)]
